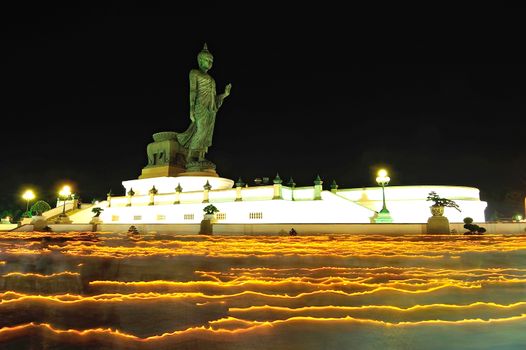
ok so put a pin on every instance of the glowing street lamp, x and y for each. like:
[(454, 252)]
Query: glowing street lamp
[(28, 196), (383, 180), (64, 194)]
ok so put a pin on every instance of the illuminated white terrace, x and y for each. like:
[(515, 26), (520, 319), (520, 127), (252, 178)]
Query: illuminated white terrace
[(407, 204)]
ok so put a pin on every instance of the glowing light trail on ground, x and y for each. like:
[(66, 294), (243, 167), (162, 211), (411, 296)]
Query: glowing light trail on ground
[(90, 291)]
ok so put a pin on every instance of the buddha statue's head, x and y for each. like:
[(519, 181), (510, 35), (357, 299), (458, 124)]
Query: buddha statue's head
[(205, 59)]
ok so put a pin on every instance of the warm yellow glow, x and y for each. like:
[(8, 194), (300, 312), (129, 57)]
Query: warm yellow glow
[(65, 191), (28, 195), (238, 290), (267, 247), (221, 333), (382, 179), (37, 275)]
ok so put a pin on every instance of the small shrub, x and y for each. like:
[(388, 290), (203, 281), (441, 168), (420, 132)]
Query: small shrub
[(40, 207), (472, 228)]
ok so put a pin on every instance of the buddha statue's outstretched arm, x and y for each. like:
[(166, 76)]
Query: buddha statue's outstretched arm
[(224, 95)]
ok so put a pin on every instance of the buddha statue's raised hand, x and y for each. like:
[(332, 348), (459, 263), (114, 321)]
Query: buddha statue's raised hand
[(227, 90)]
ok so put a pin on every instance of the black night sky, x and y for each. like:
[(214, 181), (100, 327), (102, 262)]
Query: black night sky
[(437, 97)]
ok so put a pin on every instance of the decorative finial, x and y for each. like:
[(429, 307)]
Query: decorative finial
[(240, 182), (317, 180), (204, 52), (291, 182), (277, 179)]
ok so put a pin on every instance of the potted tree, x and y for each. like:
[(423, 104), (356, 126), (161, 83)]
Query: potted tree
[(439, 203), (96, 218), (208, 219), (210, 212)]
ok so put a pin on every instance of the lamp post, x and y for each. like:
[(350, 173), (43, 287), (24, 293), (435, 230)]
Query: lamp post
[(64, 194), (28, 196), (383, 180)]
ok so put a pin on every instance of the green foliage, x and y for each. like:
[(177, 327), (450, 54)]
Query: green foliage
[(516, 217), (97, 211), (441, 202), (468, 220), (14, 214), (6, 213), (40, 207), (210, 209)]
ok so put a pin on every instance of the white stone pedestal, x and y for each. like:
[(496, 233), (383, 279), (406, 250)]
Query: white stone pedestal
[(96, 220), (438, 225), (63, 219), (39, 223), (207, 228)]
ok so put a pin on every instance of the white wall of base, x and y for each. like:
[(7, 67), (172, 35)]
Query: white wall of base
[(178, 229), (407, 204)]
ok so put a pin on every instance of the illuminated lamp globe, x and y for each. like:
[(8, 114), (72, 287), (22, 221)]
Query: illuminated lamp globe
[(65, 191), (28, 196), (382, 179), (383, 215)]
